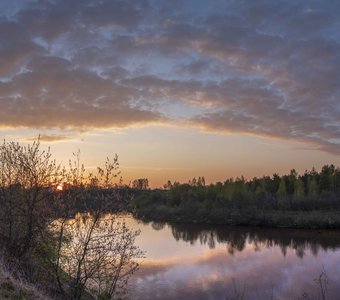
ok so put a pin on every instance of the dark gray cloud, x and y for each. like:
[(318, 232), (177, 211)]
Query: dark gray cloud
[(266, 68)]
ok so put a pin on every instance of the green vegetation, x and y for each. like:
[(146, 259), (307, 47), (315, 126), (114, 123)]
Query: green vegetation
[(310, 200), (45, 241), (56, 233)]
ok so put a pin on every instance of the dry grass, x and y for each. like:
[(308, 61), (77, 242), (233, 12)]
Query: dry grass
[(15, 287)]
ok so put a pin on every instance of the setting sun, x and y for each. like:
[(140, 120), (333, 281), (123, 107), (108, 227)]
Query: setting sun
[(194, 144)]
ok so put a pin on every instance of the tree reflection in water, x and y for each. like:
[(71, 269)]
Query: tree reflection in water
[(200, 261), (236, 238)]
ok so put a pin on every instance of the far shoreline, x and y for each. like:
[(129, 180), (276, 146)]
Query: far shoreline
[(310, 220)]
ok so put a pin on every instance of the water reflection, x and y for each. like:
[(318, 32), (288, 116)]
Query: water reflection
[(190, 261), (237, 237)]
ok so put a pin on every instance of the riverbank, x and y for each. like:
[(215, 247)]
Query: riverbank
[(271, 219), (14, 286)]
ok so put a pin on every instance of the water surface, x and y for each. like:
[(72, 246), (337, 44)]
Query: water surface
[(191, 261)]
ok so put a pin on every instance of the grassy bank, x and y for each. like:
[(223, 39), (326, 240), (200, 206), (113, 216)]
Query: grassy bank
[(14, 286)]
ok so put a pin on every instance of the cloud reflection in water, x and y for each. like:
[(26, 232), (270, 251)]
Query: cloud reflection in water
[(209, 262)]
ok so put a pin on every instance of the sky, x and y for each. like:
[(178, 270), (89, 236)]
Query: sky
[(178, 89)]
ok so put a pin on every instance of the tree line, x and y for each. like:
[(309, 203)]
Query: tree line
[(307, 200)]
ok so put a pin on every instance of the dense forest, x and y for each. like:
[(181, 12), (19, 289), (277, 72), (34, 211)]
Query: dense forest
[(310, 200)]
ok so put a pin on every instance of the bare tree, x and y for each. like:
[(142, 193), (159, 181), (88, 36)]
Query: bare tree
[(39, 201), (100, 254), (27, 178), (95, 248), (140, 184)]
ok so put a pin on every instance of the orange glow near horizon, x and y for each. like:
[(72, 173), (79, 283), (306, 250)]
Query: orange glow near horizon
[(180, 154)]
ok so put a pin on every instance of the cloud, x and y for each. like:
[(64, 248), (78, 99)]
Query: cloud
[(267, 68), (50, 138), (53, 95), (246, 107)]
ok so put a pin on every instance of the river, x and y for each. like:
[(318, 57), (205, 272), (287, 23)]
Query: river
[(192, 261)]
